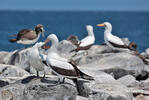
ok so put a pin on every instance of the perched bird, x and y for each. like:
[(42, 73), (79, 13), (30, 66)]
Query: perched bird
[(116, 43), (28, 36), (35, 58), (88, 41), (113, 41), (62, 66)]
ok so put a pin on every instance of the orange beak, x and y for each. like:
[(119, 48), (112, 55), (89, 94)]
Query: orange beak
[(101, 25), (45, 46)]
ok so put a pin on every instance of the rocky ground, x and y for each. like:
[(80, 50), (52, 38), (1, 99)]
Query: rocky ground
[(118, 76)]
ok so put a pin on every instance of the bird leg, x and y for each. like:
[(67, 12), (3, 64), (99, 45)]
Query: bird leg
[(63, 80), (44, 74), (58, 82), (37, 74)]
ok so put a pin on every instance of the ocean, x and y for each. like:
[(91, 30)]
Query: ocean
[(133, 25)]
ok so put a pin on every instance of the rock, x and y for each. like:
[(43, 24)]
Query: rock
[(81, 98), (64, 49), (99, 49), (11, 74), (105, 87), (2, 55), (104, 91), (18, 58), (117, 64), (31, 88), (128, 80), (141, 97)]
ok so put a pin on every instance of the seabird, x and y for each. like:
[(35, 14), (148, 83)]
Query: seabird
[(35, 59), (113, 41), (28, 36), (88, 41), (62, 66)]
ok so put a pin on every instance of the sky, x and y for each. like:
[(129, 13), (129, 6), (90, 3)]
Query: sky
[(77, 5)]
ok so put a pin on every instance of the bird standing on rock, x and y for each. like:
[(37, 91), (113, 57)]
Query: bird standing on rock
[(88, 41), (35, 58), (113, 41), (28, 36), (116, 43), (62, 66)]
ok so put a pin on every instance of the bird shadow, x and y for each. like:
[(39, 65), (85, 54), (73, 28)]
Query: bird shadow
[(28, 79)]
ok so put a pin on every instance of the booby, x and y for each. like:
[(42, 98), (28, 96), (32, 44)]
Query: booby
[(113, 41), (88, 41), (62, 66), (35, 59), (28, 36)]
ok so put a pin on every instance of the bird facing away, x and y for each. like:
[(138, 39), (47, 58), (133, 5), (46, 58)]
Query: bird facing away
[(35, 58), (113, 41), (88, 41), (62, 66), (28, 36)]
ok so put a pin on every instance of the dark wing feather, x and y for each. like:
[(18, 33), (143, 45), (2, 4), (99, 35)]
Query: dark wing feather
[(27, 34)]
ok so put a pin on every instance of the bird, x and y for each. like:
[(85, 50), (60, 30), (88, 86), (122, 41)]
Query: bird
[(28, 36), (115, 42), (87, 42), (35, 59), (62, 67)]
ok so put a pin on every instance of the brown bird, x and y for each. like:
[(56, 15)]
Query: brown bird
[(28, 36)]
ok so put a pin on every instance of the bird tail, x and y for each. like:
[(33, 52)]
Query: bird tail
[(13, 40), (85, 76), (81, 74), (13, 35)]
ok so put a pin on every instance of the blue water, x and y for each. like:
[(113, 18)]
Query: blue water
[(134, 25)]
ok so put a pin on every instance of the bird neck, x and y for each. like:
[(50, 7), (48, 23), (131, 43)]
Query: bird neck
[(90, 33), (108, 31), (54, 44)]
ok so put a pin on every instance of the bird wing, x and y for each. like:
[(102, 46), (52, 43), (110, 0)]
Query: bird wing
[(115, 40), (87, 41), (27, 33)]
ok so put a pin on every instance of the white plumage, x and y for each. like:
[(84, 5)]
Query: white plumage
[(111, 39), (35, 57), (90, 39)]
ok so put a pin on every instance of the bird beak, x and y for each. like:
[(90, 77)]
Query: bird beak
[(101, 25), (42, 31), (44, 46)]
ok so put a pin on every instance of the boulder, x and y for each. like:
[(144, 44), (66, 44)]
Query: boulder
[(11, 74), (18, 58), (117, 64), (95, 90), (2, 55), (64, 49), (31, 88), (128, 80)]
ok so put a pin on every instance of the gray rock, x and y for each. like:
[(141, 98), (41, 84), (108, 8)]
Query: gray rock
[(18, 58), (104, 87), (117, 64), (64, 49), (11, 74), (81, 98), (128, 80), (38, 89), (104, 91), (2, 55)]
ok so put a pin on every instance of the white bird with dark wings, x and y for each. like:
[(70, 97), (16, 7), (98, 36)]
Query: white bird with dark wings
[(88, 41), (61, 66), (113, 41)]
